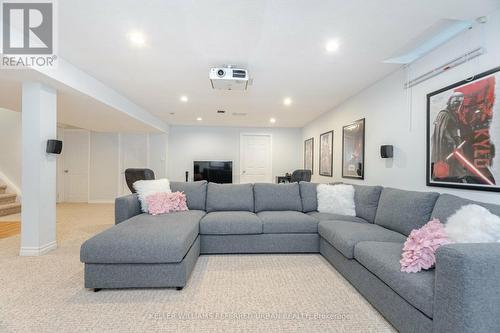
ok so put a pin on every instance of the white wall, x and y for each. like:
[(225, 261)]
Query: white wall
[(390, 120), (187, 144), (10, 149), (103, 167)]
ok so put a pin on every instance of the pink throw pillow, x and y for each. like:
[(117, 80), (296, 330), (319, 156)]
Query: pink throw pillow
[(163, 202), (419, 250)]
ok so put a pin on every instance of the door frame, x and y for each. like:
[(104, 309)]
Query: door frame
[(62, 196), (270, 152)]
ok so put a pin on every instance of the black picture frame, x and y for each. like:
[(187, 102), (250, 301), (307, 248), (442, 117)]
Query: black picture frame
[(358, 129), (311, 160), (329, 169), (430, 141)]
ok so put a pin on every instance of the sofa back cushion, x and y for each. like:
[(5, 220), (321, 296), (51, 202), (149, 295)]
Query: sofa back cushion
[(366, 200), (309, 196), (196, 193), (230, 197), (403, 211), (277, 197), (447, 205)]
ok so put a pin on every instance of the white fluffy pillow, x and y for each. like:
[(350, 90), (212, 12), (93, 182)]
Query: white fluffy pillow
[(336, 199), (145, 188), (473, 224)]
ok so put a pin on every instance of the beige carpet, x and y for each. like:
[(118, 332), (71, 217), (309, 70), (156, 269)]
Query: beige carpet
[(233, 293)]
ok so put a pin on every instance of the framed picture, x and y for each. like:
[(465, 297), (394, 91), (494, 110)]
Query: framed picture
[(326, 154), (353, 150), (463, 134), (309, 154)]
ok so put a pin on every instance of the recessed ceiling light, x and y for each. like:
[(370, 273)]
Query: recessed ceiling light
[(287, 101), (184, 99), (332, 45), (137, 38), (199, 118), (272, 120)]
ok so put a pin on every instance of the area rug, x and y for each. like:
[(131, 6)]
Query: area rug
[(226, 293)]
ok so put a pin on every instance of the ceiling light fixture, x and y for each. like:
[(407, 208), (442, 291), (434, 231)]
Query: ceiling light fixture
[(287, 101), (332, 45), (199, 118), (272, 120), (184, 99), (137, 38)]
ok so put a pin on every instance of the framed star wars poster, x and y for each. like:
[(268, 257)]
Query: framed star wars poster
[(309, 155), (353, 150), (463, 134)]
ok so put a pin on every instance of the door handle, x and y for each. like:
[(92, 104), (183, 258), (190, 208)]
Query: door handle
[(66, 171)]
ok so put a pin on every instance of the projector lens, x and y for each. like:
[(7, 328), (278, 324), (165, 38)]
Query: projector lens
[(221, 72)]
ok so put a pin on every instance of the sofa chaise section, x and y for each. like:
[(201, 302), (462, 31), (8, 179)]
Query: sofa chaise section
[(143, 250)]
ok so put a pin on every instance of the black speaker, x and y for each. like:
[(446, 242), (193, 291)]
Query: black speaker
[(54, 146), (386, 151)]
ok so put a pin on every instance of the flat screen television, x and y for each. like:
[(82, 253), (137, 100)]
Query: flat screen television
[(213, 171)]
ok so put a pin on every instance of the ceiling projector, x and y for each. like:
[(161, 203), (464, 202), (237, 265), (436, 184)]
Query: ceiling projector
[(228, 78)]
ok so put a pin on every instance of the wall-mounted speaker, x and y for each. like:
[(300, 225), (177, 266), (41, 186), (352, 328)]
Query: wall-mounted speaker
[(54, 147), (386, 151)]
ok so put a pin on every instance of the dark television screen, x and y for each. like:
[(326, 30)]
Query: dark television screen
[(214, 171)]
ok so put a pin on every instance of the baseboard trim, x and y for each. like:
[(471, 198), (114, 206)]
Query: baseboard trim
[(101, 201), (32, 251)]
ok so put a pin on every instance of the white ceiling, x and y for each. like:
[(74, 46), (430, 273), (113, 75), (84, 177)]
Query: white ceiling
[(280, 42), (74, 109)]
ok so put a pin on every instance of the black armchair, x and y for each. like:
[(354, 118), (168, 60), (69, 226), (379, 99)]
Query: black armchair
[(133, 175), (301, 176)]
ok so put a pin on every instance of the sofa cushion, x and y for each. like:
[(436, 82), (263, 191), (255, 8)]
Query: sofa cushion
[(447, 205), (144, 239), (366, 200), (287, 222), (403, 211), (271, 197), (382, 259), (229, 197), (196, 193), (335, 217), (230, 223), (345, 235), (309, 196)]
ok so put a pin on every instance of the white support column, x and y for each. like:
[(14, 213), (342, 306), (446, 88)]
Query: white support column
[(39, 123)]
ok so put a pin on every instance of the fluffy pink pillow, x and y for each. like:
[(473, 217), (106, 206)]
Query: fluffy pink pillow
[(163, 202), (419, 251)]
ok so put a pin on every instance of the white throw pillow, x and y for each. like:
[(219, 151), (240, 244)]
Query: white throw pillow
[(145, 188), (473, 224), (336, 199)]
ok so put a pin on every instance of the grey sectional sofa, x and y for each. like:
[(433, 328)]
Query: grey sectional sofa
[(462, 294)]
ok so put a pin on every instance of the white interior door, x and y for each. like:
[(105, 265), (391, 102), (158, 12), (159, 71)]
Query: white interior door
[(76, 165), (256, 158), (134, 154)]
